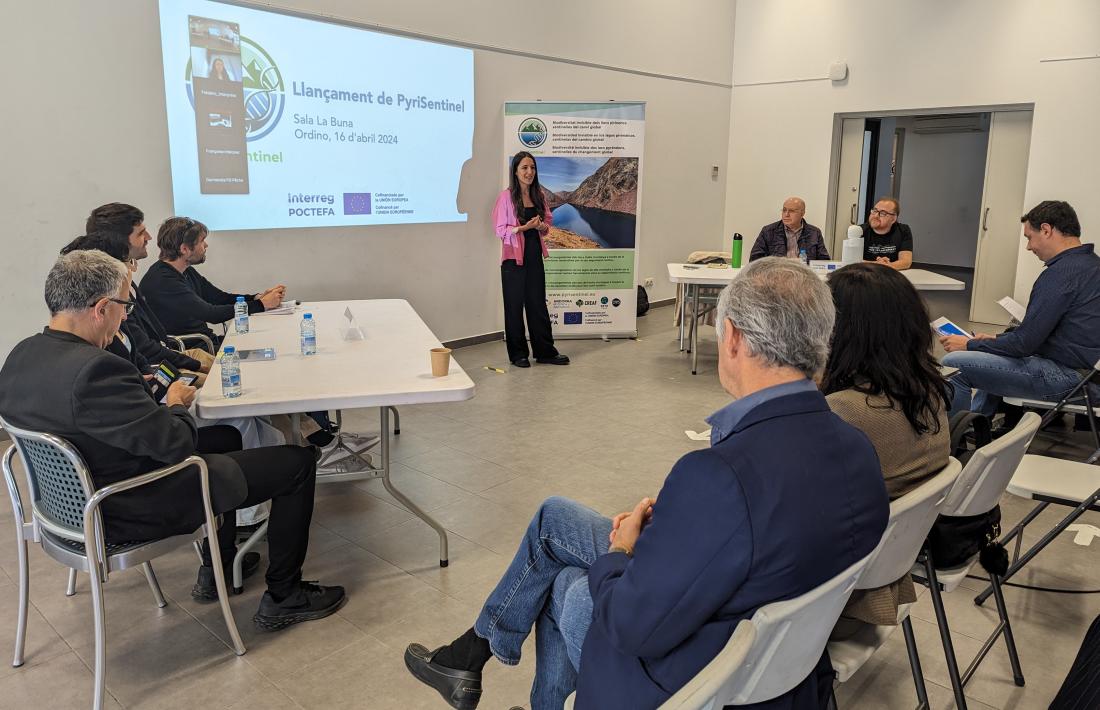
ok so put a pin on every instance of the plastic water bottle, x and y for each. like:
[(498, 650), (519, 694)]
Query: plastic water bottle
[(231, 372), (240, 315), (804, 257), (309, 334)]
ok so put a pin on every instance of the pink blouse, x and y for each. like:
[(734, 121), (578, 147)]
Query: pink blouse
[(505, 219)]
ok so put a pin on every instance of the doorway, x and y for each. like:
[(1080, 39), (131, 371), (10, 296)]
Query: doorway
[(959, 178)]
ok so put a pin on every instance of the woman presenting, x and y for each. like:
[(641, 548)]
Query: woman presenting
[(521, 218)]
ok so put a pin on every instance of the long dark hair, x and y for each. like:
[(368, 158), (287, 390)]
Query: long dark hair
[(882, 344), (112, 243), (516, 190)]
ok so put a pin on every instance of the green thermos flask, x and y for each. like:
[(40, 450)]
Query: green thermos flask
[(735, 252)]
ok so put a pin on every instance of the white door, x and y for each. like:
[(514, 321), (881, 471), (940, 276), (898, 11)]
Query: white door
[(999, 231), (846, 209)]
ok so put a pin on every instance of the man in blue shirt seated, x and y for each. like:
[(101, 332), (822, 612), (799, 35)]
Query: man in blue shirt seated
[(627, 610), (1059, 339)]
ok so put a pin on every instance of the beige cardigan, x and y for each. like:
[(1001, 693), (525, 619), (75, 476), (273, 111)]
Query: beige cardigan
[(907, 460)]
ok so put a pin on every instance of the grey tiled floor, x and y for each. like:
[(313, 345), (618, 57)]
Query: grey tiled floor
[(604, 431)]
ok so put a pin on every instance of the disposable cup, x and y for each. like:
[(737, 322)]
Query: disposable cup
[(441, 361)]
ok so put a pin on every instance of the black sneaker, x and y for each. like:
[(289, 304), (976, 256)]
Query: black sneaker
[(556, 360), (310, 602), (205, 590)]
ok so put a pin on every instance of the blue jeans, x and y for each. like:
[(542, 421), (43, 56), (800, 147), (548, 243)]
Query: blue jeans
[(997, 376), (546, 586)]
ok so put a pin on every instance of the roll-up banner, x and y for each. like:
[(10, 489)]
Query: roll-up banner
[(589, 158)]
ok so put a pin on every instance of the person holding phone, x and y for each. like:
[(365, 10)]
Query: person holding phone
[(521, 218), (63, 381)]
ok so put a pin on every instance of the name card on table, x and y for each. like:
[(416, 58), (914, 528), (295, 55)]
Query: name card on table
[(350, 329)]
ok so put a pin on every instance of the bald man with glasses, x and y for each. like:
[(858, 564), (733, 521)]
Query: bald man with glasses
[(886, 240), (790, 235)]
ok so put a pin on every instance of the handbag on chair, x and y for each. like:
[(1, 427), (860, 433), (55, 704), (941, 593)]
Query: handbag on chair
[(954, 540)]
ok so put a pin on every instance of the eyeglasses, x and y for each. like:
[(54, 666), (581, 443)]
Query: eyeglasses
[(884, 213), (129, 304)]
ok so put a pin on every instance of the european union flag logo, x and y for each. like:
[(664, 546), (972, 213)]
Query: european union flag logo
[(356, 203), (573, 318)]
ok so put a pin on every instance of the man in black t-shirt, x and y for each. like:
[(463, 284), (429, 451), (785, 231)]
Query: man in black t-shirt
[(885, 239)]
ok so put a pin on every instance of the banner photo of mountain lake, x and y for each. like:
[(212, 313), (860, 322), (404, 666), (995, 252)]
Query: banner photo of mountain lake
[(594, 201)]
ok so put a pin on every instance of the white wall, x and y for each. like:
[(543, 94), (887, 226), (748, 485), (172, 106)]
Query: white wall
[(942, 177), (908, 56), (91, 129)]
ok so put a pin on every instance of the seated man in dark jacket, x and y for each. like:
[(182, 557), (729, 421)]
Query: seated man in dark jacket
[(181, 297), (628, 610), (62, 381), (791, 235)]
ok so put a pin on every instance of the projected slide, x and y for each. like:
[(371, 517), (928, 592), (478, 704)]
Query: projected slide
[(276, 121)]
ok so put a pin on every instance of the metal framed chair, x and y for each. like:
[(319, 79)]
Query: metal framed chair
[(1047, 480), (1078, 401), (978, 490), (182, 340), (911, 517), (66, 520)]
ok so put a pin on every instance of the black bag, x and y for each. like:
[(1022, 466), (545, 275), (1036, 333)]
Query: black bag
[(954, 540), (643, 302)]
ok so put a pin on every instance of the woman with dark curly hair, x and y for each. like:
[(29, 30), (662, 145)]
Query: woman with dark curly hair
[(882, 379)]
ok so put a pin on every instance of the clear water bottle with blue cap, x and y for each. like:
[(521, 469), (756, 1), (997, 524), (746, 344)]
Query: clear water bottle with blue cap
[(231, 372), (309, 334), (804, 257), (240, 315)]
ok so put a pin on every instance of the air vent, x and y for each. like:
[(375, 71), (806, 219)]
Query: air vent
[(953, 123)]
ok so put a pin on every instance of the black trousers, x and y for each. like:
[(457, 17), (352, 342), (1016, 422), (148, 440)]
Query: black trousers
[(285, 475), (218, 439), (524, 289)]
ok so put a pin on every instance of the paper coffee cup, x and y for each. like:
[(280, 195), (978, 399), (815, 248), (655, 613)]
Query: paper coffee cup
[(441, 361)]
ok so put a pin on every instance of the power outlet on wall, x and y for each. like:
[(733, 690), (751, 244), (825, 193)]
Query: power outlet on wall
[(648, 283)]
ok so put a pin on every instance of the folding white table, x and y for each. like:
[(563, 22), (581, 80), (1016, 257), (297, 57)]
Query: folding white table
[(390, 366), (698, 276)]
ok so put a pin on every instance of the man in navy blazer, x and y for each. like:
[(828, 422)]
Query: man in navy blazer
[(628, 610)]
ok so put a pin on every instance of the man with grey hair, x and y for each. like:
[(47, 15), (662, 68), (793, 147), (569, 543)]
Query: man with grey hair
[(627, 610), (791, 235), (62, 381)]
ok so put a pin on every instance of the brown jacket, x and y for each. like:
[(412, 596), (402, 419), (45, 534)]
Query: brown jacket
[(907, 461)]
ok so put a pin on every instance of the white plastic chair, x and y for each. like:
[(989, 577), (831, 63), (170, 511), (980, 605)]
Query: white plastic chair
[(770, 653), (786, 644), (702, 691), (911, 517), (65, 518), (978, 490)]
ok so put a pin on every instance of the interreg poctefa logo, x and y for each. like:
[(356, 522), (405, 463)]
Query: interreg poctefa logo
[(264, 91), (532, 132)]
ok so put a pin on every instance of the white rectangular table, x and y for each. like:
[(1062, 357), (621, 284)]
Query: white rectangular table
[(697, 276), (390, 366)]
